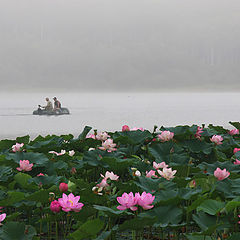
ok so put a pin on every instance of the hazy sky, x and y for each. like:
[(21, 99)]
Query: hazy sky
[(120, 44)]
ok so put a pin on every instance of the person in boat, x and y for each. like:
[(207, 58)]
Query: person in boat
[(48, 107), (57, 104)]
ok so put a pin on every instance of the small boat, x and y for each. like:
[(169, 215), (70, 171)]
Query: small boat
[(61, 111)]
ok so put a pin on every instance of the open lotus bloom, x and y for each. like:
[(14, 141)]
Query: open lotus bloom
[(2, 217), (127, 201), (25, 166), (167, 173), (234, 132), (217, 139), (221, 174), (151, 174), (108, 145), (70, 203), (165, 136), (102, 136), (159, 165), (145, 200), (17, 147), (110, 175)]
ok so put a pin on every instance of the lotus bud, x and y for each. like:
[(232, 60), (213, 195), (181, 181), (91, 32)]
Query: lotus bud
[(63, 187)]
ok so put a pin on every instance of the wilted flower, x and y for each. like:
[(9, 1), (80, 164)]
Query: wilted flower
[(17, 147), (25, 166), (58, 154), (73, 170), (165, 136), (145, 200), (70, 203), (108, 145), (110, 175), (2, 217), (40, 174), (137, 173), (125, 128), (150, 174), (217, 139), (71, 153), (221, 174), (63, 187), (55, 206), (236, 150), (167, 173), (237, 162), (127, 201), (234, 132), (198, 132), (91, 149), (159, 165)]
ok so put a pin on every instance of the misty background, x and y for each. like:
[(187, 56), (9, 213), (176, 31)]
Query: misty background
[(120, 45)]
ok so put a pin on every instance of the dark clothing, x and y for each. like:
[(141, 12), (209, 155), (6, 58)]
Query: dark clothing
[(57, 104)]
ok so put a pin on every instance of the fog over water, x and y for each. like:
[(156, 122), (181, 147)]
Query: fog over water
[(110, 111), (116, 62), (120, 45)]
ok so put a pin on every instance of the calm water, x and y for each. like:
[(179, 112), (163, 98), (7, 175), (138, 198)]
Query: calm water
[(109, 111)]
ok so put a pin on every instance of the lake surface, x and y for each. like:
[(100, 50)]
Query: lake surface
[(109, 111)]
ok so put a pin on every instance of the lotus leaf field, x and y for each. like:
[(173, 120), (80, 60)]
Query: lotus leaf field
[(168, 183)]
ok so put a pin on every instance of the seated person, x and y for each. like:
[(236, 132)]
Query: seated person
[(48, 107), (57, 104)]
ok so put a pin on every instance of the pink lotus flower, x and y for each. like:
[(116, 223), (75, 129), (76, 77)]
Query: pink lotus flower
[(236, 150), (63, 187), (125, 128), (71, 153), (103, 183), (55, 206), (151, 174), (221, 174), (58, 154), (102, 136), (167, 173), (136, 128), (91, 136), (127, 201), (25, 166), (70, 203), (40, 174), (17, 147), (234, 132), (145, 200), (110, 175), (198, 132), (237, 162), (2, 217), (165, 136), (217, 139), (159, 165), (108, 145)]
